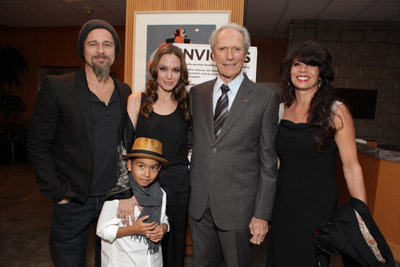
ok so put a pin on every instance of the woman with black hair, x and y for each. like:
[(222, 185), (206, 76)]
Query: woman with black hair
[(161, 113), (314, 126)]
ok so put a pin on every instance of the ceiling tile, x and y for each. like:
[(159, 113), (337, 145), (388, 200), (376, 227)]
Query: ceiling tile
[(263, 18)]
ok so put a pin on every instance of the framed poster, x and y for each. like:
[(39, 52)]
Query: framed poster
[(153, 29)]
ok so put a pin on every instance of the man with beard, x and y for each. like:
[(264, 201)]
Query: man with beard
[(75, 128)]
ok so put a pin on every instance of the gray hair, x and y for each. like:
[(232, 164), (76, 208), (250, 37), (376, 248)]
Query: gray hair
[(241, 29)]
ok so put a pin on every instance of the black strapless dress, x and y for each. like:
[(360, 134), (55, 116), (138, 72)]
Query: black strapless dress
[(306, 195)]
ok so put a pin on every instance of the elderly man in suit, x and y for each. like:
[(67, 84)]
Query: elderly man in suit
[(75, 128), (234, 162)]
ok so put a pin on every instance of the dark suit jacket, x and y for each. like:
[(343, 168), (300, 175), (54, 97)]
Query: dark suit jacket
[(347, 237), (60, 138), (237, 173)]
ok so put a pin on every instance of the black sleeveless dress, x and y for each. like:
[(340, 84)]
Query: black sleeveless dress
[(306, 195), (172, 131)]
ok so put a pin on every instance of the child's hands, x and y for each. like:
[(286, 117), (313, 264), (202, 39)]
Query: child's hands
[(142, 228), (157, 234)]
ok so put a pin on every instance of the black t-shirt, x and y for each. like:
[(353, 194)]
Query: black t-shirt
[(106, 121)]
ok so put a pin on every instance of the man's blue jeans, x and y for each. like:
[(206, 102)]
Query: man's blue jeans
[(69, 232)]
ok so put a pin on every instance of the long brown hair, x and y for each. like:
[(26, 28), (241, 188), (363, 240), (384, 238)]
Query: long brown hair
[(320, 113), (179, 93)]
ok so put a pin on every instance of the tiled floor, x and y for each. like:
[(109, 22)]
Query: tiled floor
[(25, 223)]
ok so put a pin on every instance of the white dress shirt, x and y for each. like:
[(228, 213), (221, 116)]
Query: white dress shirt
[(125, 251), (233, 86)]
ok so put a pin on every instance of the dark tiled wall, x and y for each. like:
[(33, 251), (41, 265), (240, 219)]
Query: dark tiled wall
[(366, 55)]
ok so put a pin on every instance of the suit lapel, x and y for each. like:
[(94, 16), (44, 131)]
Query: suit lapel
[(206, 96), (242, 100), (83, 98), (123, 96)]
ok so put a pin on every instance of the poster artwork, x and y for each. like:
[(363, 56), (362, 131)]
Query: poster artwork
[(159, 35)]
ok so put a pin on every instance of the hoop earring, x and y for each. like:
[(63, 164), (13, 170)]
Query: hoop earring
[(319, 84)]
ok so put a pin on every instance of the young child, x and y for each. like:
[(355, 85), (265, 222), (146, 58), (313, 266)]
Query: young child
[(138, 243)]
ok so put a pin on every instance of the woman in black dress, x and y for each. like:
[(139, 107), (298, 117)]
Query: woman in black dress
[(161, 113), (313, 127)]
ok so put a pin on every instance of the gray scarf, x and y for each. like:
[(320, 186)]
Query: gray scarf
[(150, 199)]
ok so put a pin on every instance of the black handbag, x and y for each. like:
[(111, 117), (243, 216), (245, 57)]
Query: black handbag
[(322, 242), (322, 239)]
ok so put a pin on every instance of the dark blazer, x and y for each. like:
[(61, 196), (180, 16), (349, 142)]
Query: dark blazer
[(347, 237), (237, 173), (60, 137)]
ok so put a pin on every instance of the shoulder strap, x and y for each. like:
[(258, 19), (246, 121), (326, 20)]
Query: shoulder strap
[(335, 105), (281, 109)]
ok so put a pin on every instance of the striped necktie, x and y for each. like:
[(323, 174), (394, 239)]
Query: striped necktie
[(221, 110)]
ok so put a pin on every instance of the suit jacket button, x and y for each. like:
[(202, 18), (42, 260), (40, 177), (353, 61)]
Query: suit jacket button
[(214, 150)]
